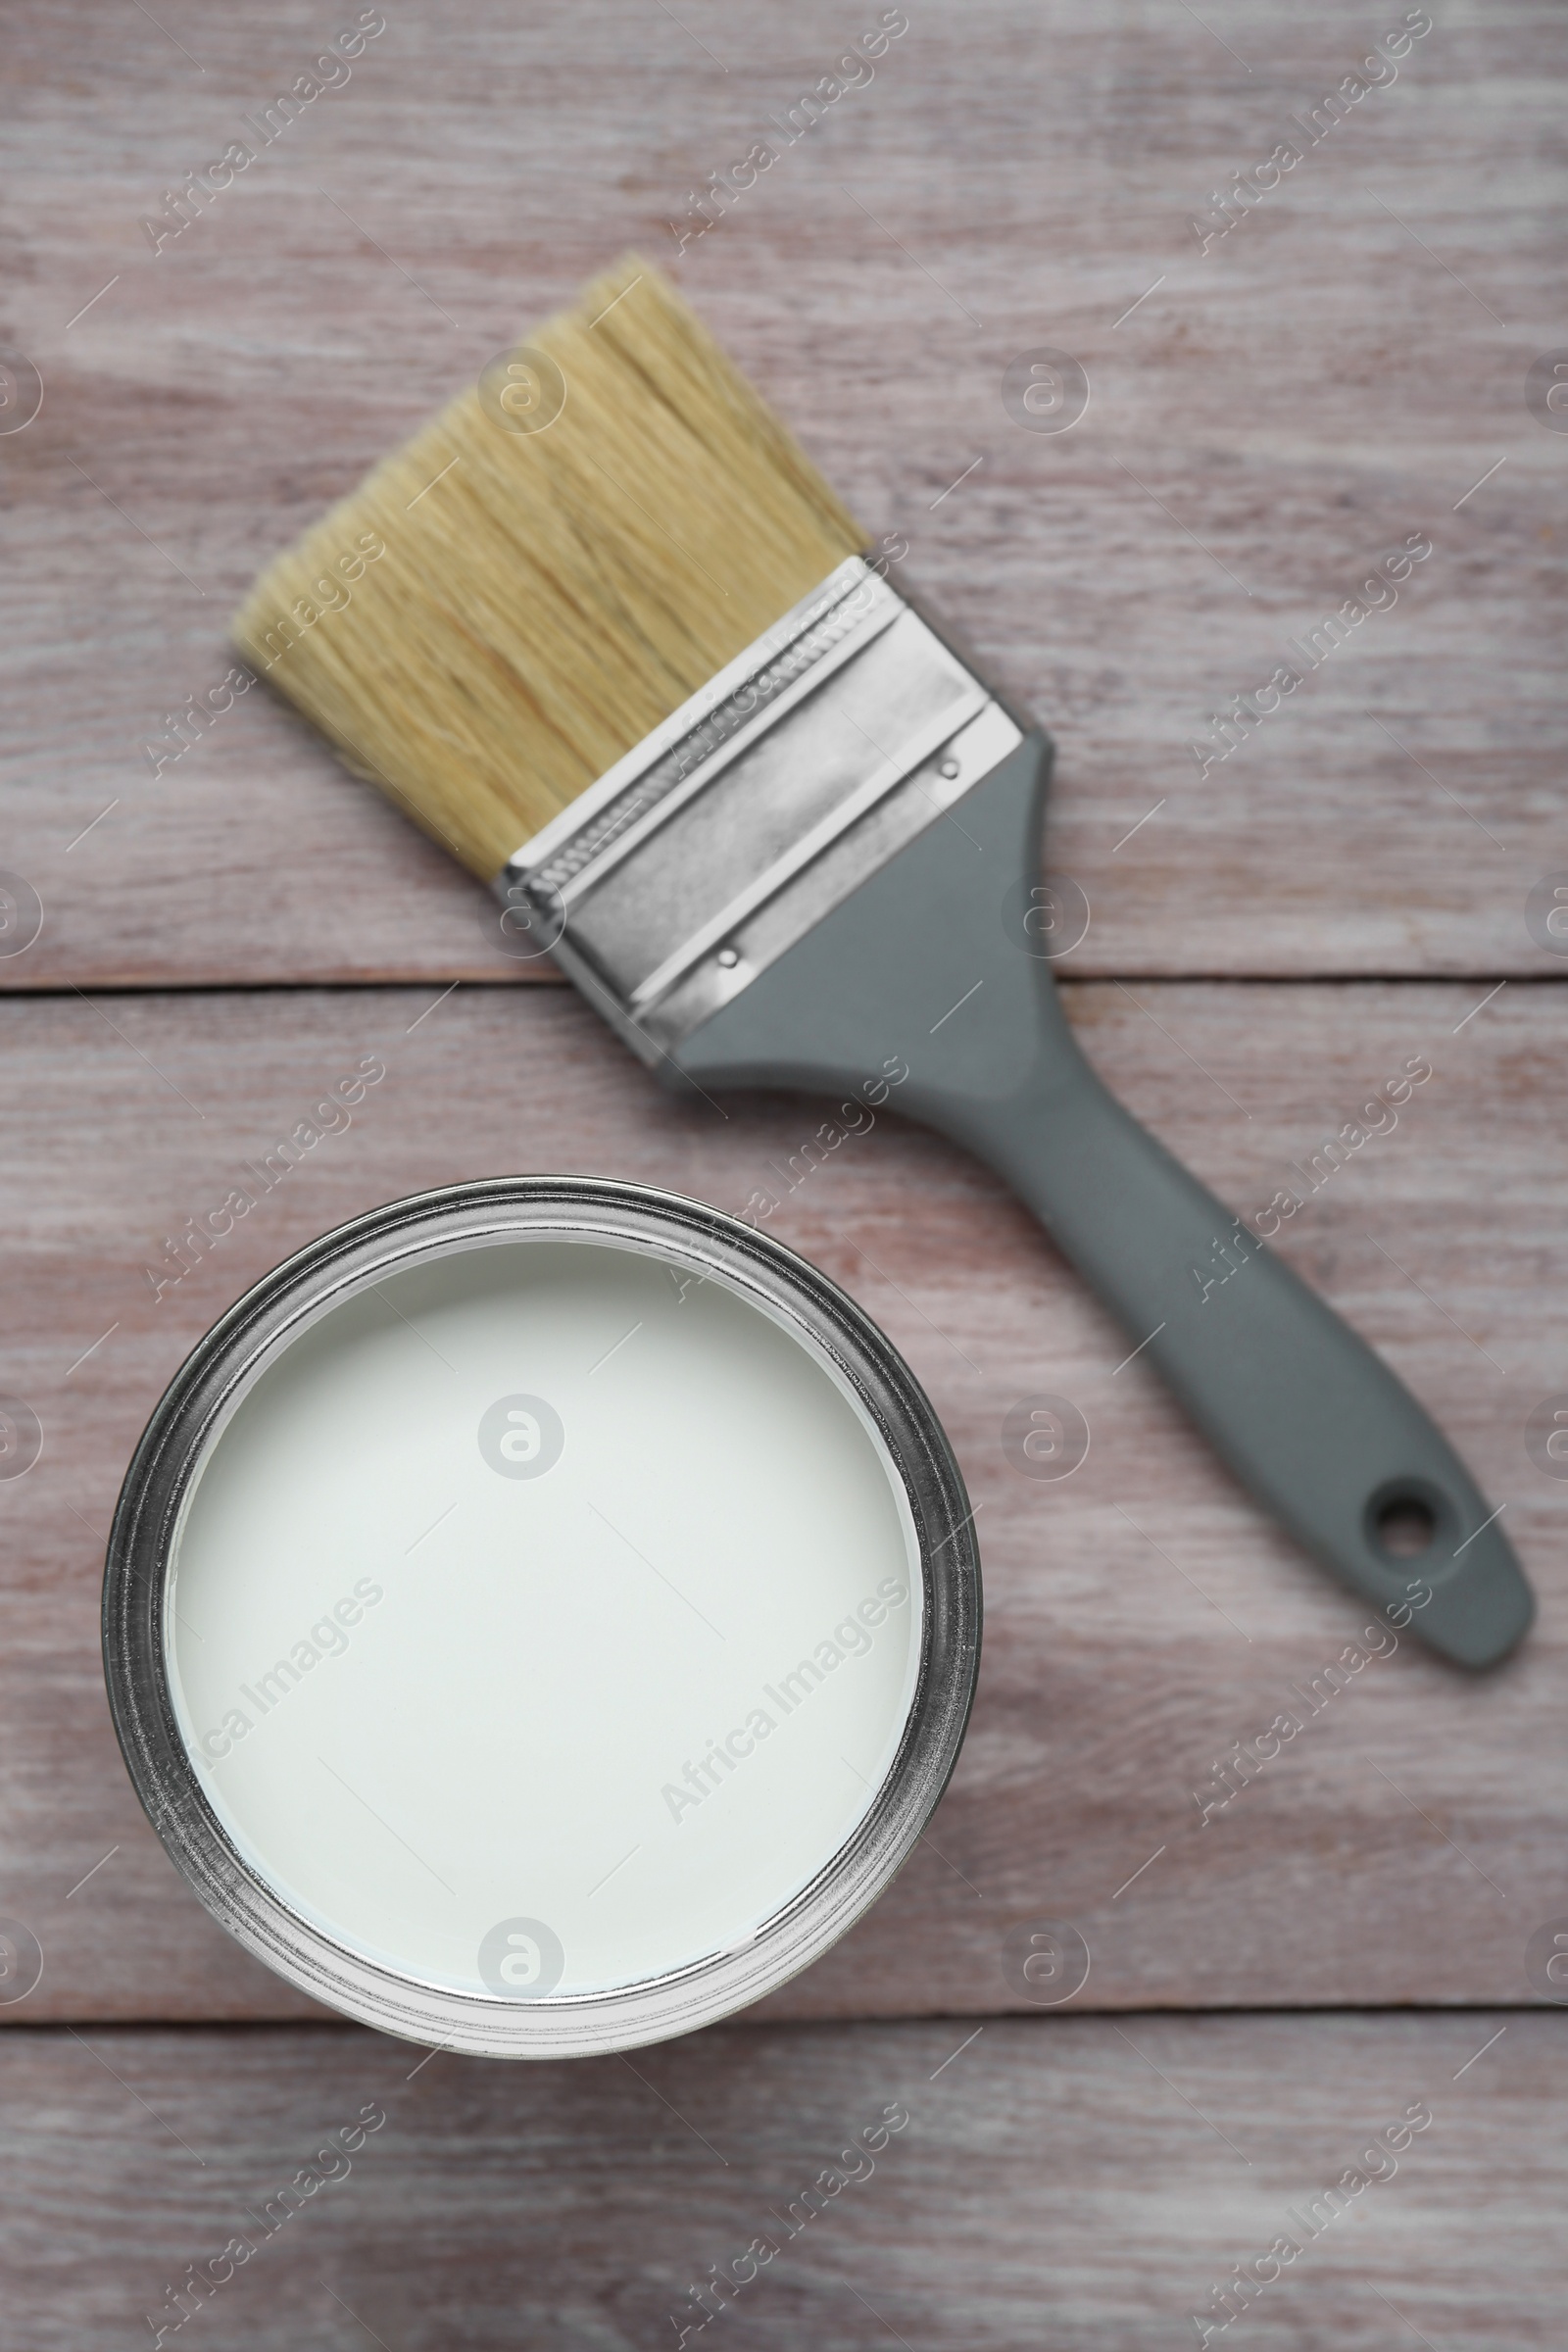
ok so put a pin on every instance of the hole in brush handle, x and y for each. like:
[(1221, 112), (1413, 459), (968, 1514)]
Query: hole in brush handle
[(1405, 1521)]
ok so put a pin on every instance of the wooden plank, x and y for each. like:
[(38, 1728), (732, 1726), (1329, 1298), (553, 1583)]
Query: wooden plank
[(1071, 2183), (1141, 1616), (1267, 416)]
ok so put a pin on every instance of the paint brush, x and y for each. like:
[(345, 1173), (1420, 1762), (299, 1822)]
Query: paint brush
[(602, 630)]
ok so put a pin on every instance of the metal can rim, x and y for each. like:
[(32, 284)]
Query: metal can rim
[(210, 1385)]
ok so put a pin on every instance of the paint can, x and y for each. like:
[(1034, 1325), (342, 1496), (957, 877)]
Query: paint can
[(541, 1616)]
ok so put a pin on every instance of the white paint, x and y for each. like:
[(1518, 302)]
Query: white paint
[(493, 1684)]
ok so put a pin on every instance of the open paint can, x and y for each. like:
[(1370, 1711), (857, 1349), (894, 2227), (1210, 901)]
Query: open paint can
[(541, 1616)]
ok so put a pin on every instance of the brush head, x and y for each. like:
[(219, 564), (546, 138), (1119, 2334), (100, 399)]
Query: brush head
[(568, 552)]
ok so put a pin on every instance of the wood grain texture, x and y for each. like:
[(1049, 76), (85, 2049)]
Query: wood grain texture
[(1141, 1616), (1340, 369), (1069, 2184)]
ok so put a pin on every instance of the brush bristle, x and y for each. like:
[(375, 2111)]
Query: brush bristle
[(546, 598)]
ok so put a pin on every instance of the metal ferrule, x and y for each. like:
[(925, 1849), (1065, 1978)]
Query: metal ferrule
[(724, 836)]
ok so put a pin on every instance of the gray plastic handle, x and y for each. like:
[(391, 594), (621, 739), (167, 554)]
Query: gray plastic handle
[(1311, 1421), (931, 965)]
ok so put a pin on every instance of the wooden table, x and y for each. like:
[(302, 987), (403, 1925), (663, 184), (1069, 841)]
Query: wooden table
[(1272, 934)]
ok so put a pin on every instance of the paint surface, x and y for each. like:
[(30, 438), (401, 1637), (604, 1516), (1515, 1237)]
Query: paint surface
[(544, 1620)]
